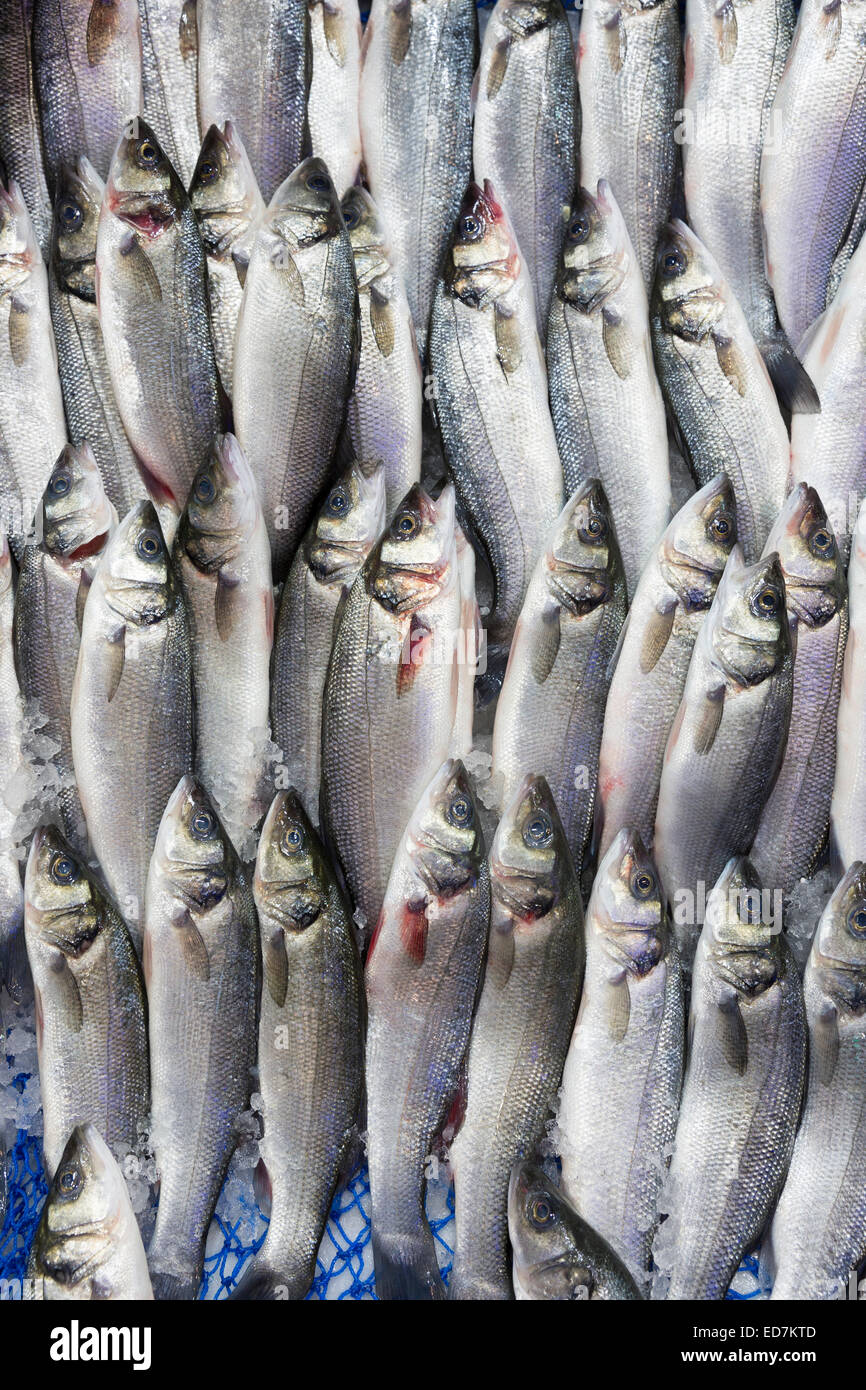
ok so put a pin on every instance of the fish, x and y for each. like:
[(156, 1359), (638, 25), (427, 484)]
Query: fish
[(667, 611), (551, 707), (557, 1255), (734, 58), (201, 969), (385, 409), (32, 423), (349, 522), (792, 832), (228, 206), (526, 131), (333, 104), (491, 404), (151, 294), (87, 66), (170, 51), (605, 401), (392, 693), (131, 704), (222, 560), (87, 1245), (296, 347), (57, 569), (742, 1091), (91, 411), (719, 395), (629, 75), (91, 1006), (813, 170), (521, 1031), (311, 1051), (818, 1232), (727, 740), (847, 807), (418, 62), (623, 1073), (21, 155), (423, 975), (13, 955), (264, 92)]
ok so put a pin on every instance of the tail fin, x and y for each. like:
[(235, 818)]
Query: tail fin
[(175, 1288), (406, 1267), (794, 386), (262, 1284), (14, 966)]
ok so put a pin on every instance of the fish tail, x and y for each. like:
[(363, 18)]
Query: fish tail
[(14, 968), (406, 1267), (792, 383), (262, 1283), (175, 1288)]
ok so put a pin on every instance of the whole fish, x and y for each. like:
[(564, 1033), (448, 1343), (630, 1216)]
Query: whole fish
[(87, 1245), (57, 570), (734, 56), (88, 396), (333, 102), (311, 1052), (521, 1030), (325, 566), (716, 385), (551, 708), (223, 562), (742, 1091), (92, 1029), (818, 1235), (557, 1256), (383, 418), (491, 402), (792, 831), (295, 349), (848, 804), (417, 67), (200, 964), (254, 69), (87, 64), (727, 740), (423, 974), (228, 205), (21, 154), (607, 408), (629, 76), (131, 708), (151, 278), (392, 693), (667, 611), (624, 1069), (828, 450), (32, 423), (13, 956), (169, 71), (813, 170), (527, 129)]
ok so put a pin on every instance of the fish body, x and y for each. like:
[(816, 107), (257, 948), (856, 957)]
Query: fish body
[(169, 73), (21, 154), (13, 956), (847, 818), (333, 108)]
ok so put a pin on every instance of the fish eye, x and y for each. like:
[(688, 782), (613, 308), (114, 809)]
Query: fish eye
[(69, 1179), (643, 884), (293, 840), (205, 489), (460, 811), (64, 869), (822, 543), (857, 919), (673, 263), (203, 825), (147, 154), (470, 227), (406, 525), (351, 216), (60, 483), (338, 503), (538, 831), (70, 214), (595, 528), (766, 602), (721, 528), (207, 171), (578, 227), (541, 1213), (149, 545), (319, 183)]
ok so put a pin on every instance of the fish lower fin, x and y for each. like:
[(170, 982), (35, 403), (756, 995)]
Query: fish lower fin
[(406, 1267), (792, 383)]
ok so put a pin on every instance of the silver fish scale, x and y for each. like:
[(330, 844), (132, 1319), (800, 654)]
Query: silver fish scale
[(169, 70), (20, 133)]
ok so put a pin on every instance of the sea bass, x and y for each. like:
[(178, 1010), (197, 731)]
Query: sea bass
[(333, 102), (848, 804), (13, 957), (20, 134), (169, 70)]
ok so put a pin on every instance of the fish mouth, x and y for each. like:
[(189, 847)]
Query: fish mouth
[(328, 562), (525, 896), (197, 886), (397, 588), (87, 549), (148, 213), (595, 586)]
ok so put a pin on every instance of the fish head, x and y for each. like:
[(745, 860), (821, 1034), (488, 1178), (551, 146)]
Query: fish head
[(529, 858), (304, 210), (595, 252), (77, 202), (223, 192), (65, 908), (415, 559), (193, 852), (582, 563), (135, 573), (542, 1227), (695, 547), (82, 1212), (814, 571), (348, 523), (222, 509), (143, 190), (840, 940), (483, 261), (367, 235), (19, 249), (741, 934), (445, 839), (628, 902), (747, 626), (688, 293), (293, 879), (77, 517), (525, 17)]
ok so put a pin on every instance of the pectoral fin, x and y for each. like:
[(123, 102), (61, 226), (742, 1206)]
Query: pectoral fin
[(400, 30), (103, 24), (195, 953), (71, 1006), (709, 720), (227, 608), (498, 66), (19, 331), (294, 280), (731, 361), (187, 32), (115, 660), (655, 638), (334, 34), (508, 346), (382, 321), (617, 1006), (831, 20), (725, 28), (735, 1039), (276, 966), (616, 41), (84, 584), (413, 930), (131, 247), (617, 341), (547, 636), (825, 1037)]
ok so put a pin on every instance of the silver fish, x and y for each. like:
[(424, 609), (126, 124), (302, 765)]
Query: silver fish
[(13, 956), (311, 1051), (169, 71), (667, 611), (521, 1031), (551, 708), (323, 571), (200, 964), (624, 1069), (92, 1032), (848, 804), (295, 348), (818, 1235), (423, 974), (131, 708), (742, 1091), (606, 404), (333, 102), (21, 154), (417, 66)]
